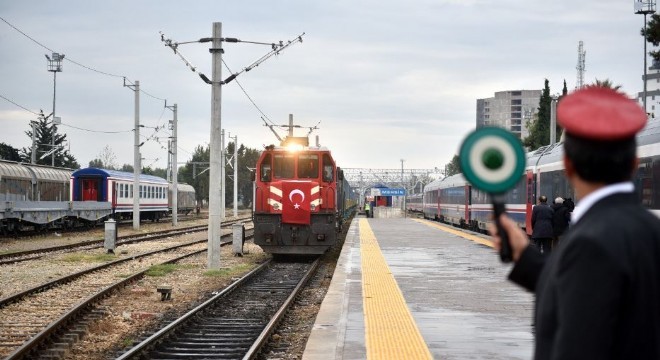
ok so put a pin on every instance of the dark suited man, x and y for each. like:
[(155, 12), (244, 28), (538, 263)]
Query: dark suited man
[(598, 294), (542, 233)]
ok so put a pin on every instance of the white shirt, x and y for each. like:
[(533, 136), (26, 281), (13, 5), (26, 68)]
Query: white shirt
[(589, 200)]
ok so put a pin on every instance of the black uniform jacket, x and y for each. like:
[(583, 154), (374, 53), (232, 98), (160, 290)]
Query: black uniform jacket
[(542, 221), (598, 295)]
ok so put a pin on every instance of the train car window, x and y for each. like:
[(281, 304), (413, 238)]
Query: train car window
[(308, 166), (265, 172), (328, 168), (130, 191), (283, 166)]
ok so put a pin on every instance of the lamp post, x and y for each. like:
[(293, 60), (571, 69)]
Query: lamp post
[(644, 7), (54, 66)]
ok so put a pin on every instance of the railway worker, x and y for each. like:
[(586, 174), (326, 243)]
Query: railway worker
[(542, 225), (367, 208), (598, 295)]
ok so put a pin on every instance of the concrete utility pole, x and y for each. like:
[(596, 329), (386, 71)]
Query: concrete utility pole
[(137, 169), (175, 167), (33, 158), (215, 231), (553, 121), (235, 175), (223, 176), (216, 205)]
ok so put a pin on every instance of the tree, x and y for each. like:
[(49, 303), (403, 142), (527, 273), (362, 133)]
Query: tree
[(607, 83), (195, 172), (127, 168), (160, 172), (453, 167), (96, 163), (652, 35), (105, 160), (8, 152), (539, 128), (45, 132)]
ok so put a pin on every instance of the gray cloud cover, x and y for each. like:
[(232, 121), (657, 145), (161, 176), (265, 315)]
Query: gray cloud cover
[(388, 80)]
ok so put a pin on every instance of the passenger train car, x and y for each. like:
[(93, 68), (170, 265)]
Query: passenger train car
[(300, 199), (453, 200), (116, 187), (44, 196), (415, 202)]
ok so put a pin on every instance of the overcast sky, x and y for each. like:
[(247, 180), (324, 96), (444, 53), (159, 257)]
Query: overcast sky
[(386, 79)]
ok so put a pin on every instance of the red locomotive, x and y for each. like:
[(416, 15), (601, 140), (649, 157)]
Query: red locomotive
[(298, 198)]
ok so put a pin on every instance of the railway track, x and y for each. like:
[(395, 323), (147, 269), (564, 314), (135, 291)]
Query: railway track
[(52, 316), (15, 257), (235, 323)]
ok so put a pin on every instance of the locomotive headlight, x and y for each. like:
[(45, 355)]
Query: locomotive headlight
[(276, 206), (312, 207)]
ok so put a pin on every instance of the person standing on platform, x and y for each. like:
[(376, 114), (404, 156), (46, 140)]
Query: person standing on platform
[(560, 219), (542, 225), (367, 208), (598, 294)]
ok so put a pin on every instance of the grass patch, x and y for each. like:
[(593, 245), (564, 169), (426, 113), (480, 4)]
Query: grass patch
[(228, 271), (127, 342), (89, 258), (161, 269)]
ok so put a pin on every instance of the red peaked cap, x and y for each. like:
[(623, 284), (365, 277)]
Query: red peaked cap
[(599, 113)]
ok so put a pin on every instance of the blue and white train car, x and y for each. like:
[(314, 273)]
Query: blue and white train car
[(116, 187)]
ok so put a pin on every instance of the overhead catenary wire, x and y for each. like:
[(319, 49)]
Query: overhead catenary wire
[(276, 49), (64, 124), (250, 98)]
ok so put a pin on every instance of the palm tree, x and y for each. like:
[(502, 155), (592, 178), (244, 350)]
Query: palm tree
[(607, 83)]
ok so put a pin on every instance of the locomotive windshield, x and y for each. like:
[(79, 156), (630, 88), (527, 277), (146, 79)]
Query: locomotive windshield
[(283, 165), (308, 166)]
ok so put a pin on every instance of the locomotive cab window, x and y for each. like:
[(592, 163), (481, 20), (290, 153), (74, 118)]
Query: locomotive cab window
[(328, 167), (308, 166), (265, 170), (283, 166)]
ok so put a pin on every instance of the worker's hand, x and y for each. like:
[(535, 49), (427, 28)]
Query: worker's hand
[(517, 238)]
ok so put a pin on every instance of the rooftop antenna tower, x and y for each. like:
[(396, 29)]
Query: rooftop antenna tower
[(581, 67)]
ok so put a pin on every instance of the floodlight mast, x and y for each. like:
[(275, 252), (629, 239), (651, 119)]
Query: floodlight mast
[(645, 7), (54, 66)]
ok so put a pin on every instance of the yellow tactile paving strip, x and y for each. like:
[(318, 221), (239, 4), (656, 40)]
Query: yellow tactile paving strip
[(460, 233), (390, 330)]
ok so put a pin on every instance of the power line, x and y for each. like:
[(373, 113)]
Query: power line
[(75, 62), (248, 96), (97, 131), (20, 106)]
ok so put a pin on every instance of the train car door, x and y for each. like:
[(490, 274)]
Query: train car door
[(529, 203), (90, 189), (468, 196)]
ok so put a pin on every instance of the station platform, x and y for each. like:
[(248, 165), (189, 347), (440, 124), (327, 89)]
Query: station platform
[(416, 289)]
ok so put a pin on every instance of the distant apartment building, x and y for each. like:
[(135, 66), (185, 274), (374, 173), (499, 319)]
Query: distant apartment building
[(652, 91), (509, 110)]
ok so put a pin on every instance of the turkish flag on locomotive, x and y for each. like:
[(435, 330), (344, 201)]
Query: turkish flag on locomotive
[(296, 198)]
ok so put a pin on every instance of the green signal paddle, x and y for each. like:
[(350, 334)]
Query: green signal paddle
[(493, 160)]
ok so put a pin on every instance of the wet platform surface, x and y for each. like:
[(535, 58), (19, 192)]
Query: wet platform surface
[(455, 289)]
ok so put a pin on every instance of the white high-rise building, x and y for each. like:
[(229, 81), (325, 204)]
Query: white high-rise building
[(509, 109), (652, 91)]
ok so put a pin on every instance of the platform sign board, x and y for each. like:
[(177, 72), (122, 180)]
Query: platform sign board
[(388, 192)]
